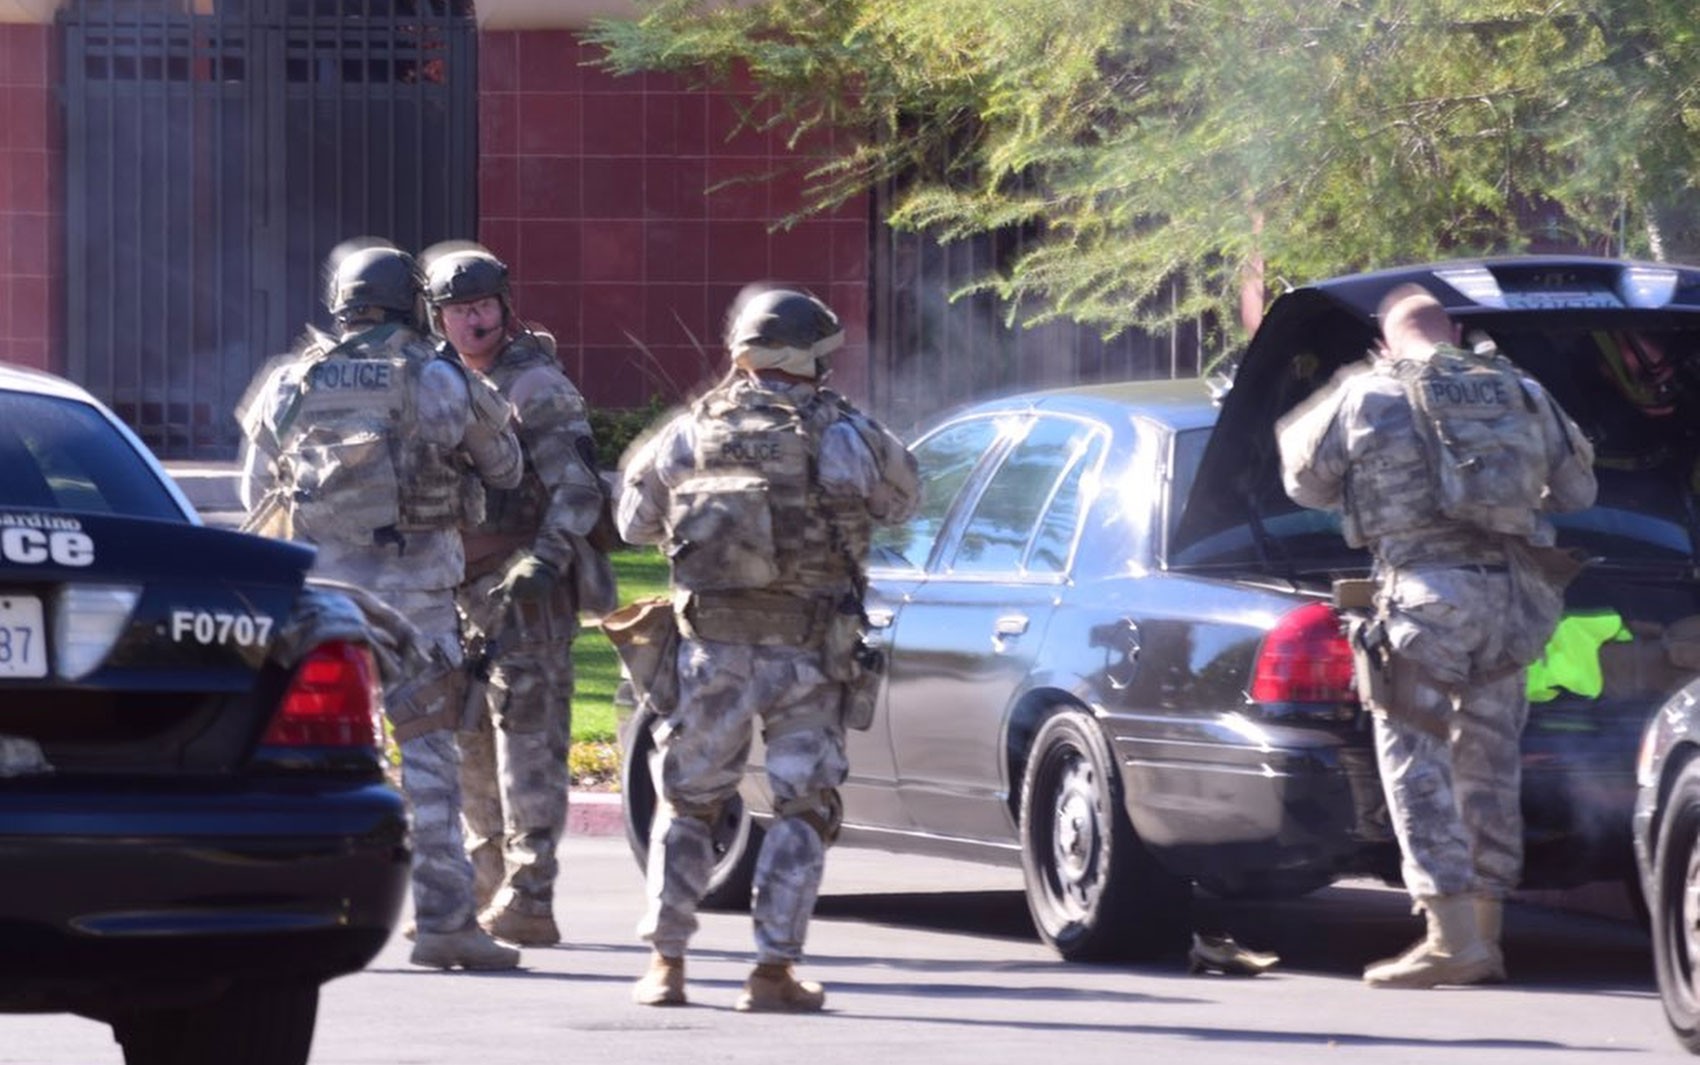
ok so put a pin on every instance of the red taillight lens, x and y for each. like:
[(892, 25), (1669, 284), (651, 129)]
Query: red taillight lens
[(331, 701), (1304, 659)]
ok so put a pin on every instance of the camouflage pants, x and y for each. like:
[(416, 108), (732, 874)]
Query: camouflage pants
[(513, 772), (1455, 800), (430, 778), (699, 760)]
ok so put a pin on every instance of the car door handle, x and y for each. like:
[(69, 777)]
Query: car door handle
[(1011, 625), (879, 618)]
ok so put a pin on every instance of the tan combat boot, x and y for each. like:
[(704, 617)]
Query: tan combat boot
[(1451, 953), (663, 984), (526, 929), (772, 989), (469, 948), (1490, 919)]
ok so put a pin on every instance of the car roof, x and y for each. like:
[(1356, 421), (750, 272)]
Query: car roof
[(1182, 403), (15, 378)]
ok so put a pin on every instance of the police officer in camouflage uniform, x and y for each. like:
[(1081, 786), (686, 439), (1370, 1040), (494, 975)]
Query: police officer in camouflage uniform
[(361, 444), (1461, 603), (764, 493), (520, 599)]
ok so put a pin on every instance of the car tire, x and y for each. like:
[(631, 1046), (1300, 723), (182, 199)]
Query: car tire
[(257, 1024), (737, 838), (1094, 891), (1676, 908)]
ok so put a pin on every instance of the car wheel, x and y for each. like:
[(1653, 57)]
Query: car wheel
[(1676, 908), (737, 838), (251, 1023), (1093, 889)]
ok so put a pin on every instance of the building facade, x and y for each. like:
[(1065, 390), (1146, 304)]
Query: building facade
[(172, 173)]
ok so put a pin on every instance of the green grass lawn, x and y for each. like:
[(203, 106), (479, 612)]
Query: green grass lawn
[(641, 572)]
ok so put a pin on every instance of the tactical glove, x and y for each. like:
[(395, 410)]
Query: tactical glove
[(528, 578)]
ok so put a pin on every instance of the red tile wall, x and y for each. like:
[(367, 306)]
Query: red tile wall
[(32, 328), (625, 209)]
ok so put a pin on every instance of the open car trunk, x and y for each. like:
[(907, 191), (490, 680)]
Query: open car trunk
[(1579, 326)]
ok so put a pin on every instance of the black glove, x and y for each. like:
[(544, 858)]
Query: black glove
[(529, 578)]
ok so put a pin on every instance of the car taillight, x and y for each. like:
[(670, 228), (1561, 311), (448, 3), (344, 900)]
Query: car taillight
[(1305, 659), (332, 700)]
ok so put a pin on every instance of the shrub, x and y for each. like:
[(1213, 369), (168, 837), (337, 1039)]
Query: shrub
[(616, 427)]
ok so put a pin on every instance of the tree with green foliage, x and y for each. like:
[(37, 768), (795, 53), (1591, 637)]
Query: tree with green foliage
[(1145, 144)]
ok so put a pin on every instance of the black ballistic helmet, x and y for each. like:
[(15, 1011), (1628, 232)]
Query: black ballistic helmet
[(459, 271), (781, 318), (370, 272)]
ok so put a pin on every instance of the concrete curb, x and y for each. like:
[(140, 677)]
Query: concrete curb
[(595, 813)]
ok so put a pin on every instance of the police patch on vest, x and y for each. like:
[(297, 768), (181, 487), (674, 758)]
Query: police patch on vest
[(362, 375), (1490, 395), (1481, 430)]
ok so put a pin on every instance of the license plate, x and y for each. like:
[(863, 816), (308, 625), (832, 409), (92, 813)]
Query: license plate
[(23, 640)]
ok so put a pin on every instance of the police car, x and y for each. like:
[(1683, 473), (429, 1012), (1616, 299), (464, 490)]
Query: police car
[(195, 827)]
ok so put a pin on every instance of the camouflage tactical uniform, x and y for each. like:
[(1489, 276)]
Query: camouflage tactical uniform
[(364, 444), (514, 758), (762, 600), (1461, 626)]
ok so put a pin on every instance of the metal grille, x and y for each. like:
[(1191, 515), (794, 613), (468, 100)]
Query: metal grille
[(216, 150), (931, 353)]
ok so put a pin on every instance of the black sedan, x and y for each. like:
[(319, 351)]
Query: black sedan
[(1667, 844), (195, 828), (1111, 652)]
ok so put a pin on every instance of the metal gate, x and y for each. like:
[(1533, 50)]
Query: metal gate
[(216, 150)]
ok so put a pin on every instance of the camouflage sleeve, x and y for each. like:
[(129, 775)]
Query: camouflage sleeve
[(461, 409), (859, 456), (1570, 457), (260, 446), (554, 427), (648, 471), (1314, 457)]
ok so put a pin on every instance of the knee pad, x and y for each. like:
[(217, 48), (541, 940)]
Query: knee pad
[(821, 810), (706, 812)]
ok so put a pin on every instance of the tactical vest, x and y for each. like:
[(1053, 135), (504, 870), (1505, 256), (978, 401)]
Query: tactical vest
[(518, 510), (751, 516), (353, 464), (1482, 438)]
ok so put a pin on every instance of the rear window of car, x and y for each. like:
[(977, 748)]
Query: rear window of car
[(59, 454)]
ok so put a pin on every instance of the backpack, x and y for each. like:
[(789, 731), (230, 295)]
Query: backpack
[(1482, 432)]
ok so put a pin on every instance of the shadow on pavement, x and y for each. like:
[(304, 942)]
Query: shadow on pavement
[(1334, 931)]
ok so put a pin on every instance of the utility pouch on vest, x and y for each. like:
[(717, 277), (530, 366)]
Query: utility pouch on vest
[(645, 634), (345, 489), (721, 528)]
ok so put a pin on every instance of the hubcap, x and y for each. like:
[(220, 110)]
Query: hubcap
[(1075, 834)]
